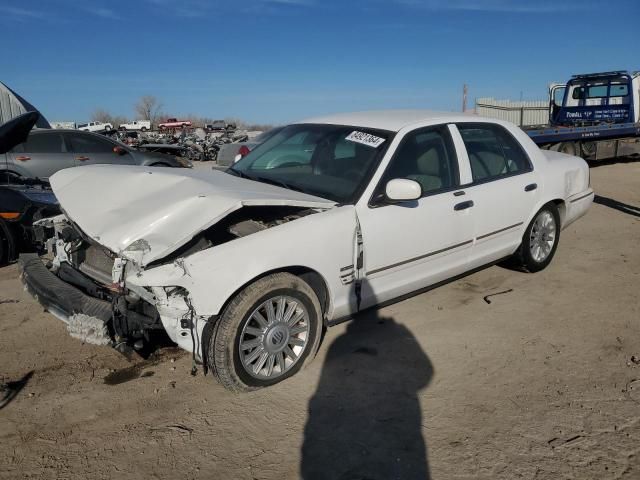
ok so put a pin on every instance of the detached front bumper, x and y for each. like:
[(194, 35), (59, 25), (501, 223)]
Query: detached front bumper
[(86, 317), (56, 296)]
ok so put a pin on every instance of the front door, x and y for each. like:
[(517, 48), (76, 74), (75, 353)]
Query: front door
[(42, 155), (410, 245)]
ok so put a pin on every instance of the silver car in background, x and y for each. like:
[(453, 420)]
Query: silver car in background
[(47, 151), (228, 152)]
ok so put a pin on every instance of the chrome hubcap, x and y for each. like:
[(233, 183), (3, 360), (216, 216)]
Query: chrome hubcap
[(274, 337), (543, 236)]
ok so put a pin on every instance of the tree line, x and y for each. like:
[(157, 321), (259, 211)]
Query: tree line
[(148, 107)]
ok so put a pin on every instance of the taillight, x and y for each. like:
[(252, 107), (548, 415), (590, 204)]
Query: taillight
[(243, 151)]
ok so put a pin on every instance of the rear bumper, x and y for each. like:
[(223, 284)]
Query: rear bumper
[(577, 205), (56, 296)]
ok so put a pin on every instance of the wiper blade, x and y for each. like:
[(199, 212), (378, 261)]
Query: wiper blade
[(238, 173), (273, 181)]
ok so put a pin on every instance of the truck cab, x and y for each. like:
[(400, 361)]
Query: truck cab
[(596, 98)]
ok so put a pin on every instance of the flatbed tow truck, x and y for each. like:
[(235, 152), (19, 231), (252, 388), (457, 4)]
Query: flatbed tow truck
[(595, 116)]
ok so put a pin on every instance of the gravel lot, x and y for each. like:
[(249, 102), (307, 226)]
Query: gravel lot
[(538, 384)]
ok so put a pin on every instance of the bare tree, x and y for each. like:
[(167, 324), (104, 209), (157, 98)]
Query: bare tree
[(148, 108), (103, 116)]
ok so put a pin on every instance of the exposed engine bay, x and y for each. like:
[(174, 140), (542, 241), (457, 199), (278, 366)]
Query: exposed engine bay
[(139, 316)]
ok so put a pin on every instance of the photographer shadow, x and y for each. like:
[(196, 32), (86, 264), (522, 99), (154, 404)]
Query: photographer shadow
[(365, 420)]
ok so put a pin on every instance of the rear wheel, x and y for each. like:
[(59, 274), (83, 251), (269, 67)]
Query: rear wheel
[(266, 334), (568, 147), (540, 239)]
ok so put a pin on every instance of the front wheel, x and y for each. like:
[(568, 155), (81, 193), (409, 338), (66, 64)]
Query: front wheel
[(540, 239), (266, 334)]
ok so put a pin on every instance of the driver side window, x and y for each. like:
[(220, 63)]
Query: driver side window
[(428, 157)]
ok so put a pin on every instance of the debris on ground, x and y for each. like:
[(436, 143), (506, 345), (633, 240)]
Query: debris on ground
[(486, 297), (9, 390)]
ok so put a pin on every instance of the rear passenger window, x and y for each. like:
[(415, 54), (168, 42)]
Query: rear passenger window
[(89, 144), (428, 157), (42, 143), (493, 152)]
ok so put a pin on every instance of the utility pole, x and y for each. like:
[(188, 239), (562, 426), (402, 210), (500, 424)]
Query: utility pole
[(464, 98)]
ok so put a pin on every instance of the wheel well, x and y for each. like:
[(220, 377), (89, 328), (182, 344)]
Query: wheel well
[(562, 209), (313, 278)]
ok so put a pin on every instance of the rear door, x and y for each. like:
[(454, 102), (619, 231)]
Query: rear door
[(504, 190), (92, 149), (42, 155)]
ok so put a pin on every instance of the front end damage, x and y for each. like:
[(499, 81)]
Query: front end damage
[(94, 290), (84, 285)]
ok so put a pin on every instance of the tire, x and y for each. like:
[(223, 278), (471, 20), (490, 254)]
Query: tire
[(159, 165), (529, 256), (233, 366), (143, 129), (568, 147)]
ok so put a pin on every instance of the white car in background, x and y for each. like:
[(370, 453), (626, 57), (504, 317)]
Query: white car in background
[(141, 125), (95, 127), (328, 217)]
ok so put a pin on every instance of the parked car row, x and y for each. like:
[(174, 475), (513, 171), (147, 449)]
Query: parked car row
[(327, 217)]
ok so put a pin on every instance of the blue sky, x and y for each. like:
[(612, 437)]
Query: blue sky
[(280, 60)]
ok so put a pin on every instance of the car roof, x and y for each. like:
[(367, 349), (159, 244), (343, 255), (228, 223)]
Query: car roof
[(392, 120)]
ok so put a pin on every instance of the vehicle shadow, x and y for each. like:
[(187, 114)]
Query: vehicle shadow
[(616, 205), (365, 420), (9, 391), (613, 161)]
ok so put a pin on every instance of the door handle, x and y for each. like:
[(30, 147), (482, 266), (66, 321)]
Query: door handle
[(82, 159), (23, 158), (463, 205), (531, 187)]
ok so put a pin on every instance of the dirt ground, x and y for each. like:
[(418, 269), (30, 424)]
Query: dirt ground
[(538, 384)]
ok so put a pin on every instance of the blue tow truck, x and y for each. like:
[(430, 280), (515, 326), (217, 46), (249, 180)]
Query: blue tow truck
[(595, 116)]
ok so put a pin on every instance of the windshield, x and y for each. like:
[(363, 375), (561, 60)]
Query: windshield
[(329, 161)]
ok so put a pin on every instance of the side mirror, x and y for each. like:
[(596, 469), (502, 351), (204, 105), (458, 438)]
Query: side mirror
[(119, 150), (402, 190)]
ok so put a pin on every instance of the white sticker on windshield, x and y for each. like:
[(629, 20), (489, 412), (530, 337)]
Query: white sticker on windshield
[(365, 139)]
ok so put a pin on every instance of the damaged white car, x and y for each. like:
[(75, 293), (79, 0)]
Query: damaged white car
[(331, 216)]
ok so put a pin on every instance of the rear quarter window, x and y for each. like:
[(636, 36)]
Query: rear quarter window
[(89, 144)]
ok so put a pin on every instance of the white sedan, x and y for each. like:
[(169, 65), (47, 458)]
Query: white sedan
[(330, 216)]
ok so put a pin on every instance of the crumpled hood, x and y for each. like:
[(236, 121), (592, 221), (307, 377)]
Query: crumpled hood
[(145, 213)]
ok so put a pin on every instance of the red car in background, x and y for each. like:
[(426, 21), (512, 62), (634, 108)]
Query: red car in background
[(173, 123)]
